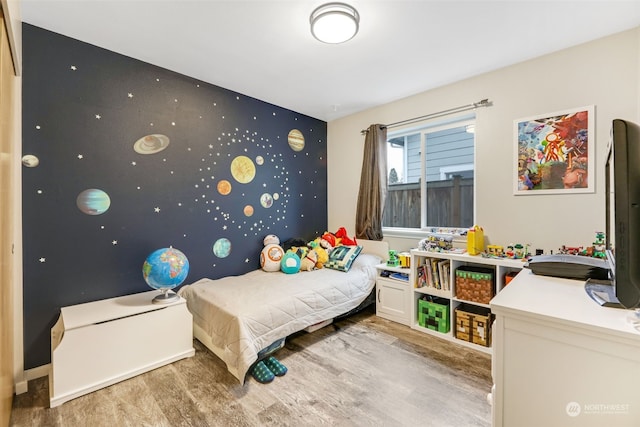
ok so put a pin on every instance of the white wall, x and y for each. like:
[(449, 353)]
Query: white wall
[(604, 73)]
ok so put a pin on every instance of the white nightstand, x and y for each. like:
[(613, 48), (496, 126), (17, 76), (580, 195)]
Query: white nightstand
[(100, 343), (393, 296)]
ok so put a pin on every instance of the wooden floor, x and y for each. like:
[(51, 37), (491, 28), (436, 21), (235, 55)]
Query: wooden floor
[(361, 371)]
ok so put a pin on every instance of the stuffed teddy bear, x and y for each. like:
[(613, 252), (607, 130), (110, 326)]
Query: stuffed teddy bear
[(271, 254)]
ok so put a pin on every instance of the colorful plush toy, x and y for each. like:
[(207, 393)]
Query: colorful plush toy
[(290, 263), (344, 238), (271, 254), (308, 263), (323, 254), (328, 241)]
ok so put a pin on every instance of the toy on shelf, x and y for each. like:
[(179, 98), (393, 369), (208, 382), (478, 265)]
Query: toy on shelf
[(475, 240), (405, 259), (436, 243), (495, 251), (519, 251), (393, 260), (597, 249), (570, 250)]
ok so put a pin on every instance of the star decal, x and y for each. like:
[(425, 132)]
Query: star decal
[(156, 209), (80, 156), (114, 242), (43, 259), (98, 116), (73, 68), (130, 95)]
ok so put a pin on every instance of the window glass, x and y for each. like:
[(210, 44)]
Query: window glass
[(433, 190)]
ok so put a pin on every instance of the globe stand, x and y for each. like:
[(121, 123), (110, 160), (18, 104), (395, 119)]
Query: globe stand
[(165, 297)]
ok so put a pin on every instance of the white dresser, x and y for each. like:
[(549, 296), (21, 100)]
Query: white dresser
[(99, 343), (559, 359)]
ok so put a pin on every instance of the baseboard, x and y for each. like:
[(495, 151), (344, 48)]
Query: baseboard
[(31, 374), (37, 372)]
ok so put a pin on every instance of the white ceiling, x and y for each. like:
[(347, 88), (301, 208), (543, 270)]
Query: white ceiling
[(264, 48)]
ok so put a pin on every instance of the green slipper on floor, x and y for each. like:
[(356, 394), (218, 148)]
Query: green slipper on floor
[(261, 373), (275, 366)]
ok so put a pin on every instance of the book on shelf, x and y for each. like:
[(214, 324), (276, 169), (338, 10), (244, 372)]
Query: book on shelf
[(427, 267), (400, 276), (444, 267), (422, 277), (434, 273)]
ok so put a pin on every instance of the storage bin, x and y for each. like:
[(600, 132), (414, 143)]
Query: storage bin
[(434, 314), (475, 284), (509, 277), (473, 324)]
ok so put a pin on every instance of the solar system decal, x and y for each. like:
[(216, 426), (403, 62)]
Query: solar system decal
[(121, 158)]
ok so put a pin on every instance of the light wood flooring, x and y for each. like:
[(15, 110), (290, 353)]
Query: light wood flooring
[(360, 371)]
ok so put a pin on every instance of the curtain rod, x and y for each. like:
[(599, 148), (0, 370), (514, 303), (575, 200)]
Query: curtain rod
[(481, 103)]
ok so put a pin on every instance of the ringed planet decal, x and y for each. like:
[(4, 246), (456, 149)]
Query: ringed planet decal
[(243, 170), (296, 140), (93, 202), (151, 144)]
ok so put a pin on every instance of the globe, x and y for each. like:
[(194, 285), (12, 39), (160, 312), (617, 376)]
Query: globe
[(164, 269)]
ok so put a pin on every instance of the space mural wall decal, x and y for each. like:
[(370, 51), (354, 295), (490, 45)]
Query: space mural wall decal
[(131, 158)]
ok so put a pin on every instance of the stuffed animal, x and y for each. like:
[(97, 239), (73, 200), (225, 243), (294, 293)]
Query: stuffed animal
[(328, 241), (271, 254), (323, 254), (290, 263), (308, 263), (293, 242), (344, 238)]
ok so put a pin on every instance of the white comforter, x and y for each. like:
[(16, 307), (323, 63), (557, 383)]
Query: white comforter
[(244, 314)]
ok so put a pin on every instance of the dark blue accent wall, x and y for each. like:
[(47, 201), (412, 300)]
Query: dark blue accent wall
[(133, 158)]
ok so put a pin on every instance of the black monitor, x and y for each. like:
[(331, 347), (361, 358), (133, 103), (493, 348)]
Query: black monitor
[(622, 220), (622, 178)]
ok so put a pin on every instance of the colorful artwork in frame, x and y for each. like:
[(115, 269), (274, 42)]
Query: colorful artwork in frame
[(554, 153)]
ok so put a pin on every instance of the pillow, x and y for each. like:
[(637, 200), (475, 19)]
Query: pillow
[(341, 257)]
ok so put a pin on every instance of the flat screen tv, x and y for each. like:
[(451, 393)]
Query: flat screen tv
[(622, 187)]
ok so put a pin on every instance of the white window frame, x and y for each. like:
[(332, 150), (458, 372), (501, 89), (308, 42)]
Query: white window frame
[(434, 126)]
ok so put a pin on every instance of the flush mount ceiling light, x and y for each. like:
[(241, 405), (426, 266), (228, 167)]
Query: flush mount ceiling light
[(334, 22)]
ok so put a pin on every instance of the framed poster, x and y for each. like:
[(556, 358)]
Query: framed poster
[(554, 153)]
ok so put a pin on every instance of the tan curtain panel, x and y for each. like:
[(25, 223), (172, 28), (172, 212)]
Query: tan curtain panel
[(373, 184)]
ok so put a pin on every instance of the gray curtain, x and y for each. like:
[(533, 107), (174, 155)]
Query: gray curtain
[(373, 184)]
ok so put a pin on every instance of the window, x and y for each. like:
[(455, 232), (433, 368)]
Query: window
[(430, 172)]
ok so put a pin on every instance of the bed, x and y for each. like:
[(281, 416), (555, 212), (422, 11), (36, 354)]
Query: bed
[(241, 317)]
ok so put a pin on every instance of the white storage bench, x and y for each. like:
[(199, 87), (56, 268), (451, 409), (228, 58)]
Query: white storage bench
[(100, 343)]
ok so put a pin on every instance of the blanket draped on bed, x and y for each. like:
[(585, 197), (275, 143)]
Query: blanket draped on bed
[(244, 314)]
